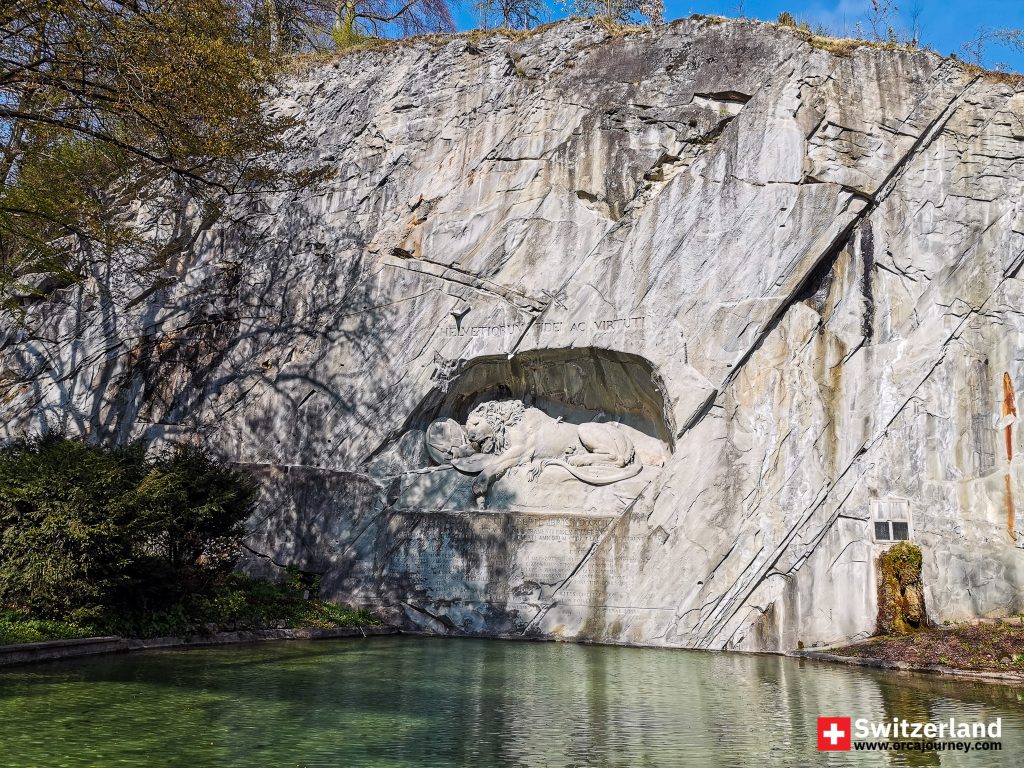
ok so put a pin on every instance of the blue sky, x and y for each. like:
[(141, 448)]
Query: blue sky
[(945, 24)]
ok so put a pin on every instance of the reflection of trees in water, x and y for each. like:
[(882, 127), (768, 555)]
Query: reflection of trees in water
[(928, 698)]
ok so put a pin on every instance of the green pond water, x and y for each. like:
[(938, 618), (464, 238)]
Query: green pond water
[(433, 702)]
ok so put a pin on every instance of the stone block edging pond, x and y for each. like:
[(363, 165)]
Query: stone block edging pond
[(1005, 678), (52, 650)]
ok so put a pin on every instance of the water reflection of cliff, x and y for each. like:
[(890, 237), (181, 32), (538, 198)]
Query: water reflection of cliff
[(602, 707), (409, 703), (905, 703)]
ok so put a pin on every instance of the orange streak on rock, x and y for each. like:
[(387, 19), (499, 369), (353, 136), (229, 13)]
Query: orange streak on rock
[(1009, 409)]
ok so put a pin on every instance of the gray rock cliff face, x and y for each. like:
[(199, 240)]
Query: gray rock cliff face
[(778, 285)]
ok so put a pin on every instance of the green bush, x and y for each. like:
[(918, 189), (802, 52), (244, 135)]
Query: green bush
[(190, 515), (18, 627), (93, 535), (100, 540), (238, 602), (66, 525), (245, 603)]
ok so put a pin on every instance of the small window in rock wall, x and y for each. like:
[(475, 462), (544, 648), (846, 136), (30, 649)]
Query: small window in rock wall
[(891, 518)]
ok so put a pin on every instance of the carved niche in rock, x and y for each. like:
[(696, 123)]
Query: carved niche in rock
[(559, 431), (500, 435)]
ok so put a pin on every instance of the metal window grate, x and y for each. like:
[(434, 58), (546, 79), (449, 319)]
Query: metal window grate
[(891, 518)]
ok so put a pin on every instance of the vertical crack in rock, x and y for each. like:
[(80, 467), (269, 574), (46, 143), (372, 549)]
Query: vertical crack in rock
[(841, 241), (867, 254)]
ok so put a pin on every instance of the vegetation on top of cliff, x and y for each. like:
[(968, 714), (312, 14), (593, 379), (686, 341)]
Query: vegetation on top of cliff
[(817, 36), (511, 14), (882, 35), (473, 37), (434, 39), (619, 11), (886, 34), (352, 21), (112, 541)]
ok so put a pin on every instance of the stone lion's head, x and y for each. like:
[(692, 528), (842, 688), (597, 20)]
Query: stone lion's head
[(487, 424)]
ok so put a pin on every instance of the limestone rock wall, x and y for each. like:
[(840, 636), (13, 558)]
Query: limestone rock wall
[(796, 272)]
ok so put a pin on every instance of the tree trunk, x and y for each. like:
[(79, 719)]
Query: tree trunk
[(274, 25), (345, 26)]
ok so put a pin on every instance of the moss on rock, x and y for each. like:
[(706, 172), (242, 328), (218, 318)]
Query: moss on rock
[(901, 608)]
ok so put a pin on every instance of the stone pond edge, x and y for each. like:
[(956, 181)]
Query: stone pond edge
[(53, 650), (1005, 678)]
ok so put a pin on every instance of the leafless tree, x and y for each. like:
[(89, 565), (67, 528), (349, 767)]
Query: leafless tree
[(974, 49), (511, 14), (623, 11), (299, 25), (915, 25), (880, 17), (377, 18)]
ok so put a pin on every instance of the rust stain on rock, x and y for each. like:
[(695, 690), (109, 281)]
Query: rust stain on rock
[(1009, 410)]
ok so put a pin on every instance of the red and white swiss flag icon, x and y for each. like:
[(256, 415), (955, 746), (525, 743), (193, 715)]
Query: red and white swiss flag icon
[(833, 734)]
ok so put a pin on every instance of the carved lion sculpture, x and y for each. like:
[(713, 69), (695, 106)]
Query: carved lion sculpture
[(502, 434)]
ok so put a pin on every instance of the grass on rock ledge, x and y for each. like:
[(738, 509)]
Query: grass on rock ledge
[(997, 647), (820, 38)]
